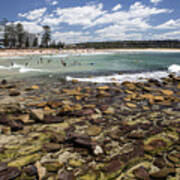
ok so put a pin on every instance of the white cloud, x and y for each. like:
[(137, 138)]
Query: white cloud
[(136, 10), (167, 35), (54, 3), (84, 15), (117, 7), (171, 24), (34, 14), (128, 24), (71, 36), (155, 1), (31, 27)]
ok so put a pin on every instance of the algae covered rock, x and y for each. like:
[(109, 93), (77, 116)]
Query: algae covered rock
[(22, 161)]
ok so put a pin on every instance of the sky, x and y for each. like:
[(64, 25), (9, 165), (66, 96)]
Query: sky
[(74, 21)]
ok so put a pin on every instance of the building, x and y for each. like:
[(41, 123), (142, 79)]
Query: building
[(1, 36)]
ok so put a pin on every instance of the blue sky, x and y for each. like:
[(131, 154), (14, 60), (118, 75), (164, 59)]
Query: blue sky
[(98, 20)]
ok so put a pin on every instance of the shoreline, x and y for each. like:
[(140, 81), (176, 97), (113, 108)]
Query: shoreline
[(25, 52)]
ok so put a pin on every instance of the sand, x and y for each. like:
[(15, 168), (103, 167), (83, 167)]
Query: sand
[(24, 52)]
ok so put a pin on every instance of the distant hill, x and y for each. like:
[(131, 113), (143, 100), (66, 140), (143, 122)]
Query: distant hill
[(128, 44)]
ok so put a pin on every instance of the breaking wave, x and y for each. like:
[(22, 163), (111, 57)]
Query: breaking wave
[(143, 76)]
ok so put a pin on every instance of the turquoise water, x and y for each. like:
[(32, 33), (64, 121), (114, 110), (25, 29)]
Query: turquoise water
[(86, 63)]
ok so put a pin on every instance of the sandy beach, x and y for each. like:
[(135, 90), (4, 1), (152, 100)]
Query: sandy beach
[(25, 52)]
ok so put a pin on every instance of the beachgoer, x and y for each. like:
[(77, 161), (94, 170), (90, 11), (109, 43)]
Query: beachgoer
[(63, 63), (12, 64)]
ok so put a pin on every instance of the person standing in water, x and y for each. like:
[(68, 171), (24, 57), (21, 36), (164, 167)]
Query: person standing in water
[(63, 63)]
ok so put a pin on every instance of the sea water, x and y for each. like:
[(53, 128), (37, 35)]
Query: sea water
[(103, 67)]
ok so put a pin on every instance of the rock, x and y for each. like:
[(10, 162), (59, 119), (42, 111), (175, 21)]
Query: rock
[(25, 160), (75, 162), (71, 91), (104, 88), (109, 110), (87, 112), (98, 150), (30, 170), (129, 85), (174, 157), (163, 173), (57, 137), (14, 93), (141, 173), (52, 166), (41, 170), (158, 98), (10, 173), (53, 119), (4, 82), (94, 130), (15, 125), (65, 175), (160, 162), (35, 87), (37, 114), (82, 141), (3, 166), (51, 147), (25, 119), (113, 166), (130, 105), (167, 92)]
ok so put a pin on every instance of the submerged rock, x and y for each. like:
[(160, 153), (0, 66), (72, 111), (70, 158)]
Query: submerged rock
[(9, 173)]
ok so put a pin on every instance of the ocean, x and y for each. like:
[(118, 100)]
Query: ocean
[(98, 67)]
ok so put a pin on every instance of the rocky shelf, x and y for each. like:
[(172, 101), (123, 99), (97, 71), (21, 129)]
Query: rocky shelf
[(70, 130)]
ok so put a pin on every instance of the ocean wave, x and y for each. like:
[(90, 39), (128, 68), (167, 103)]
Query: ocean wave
[(135, 77), (5, 67), (56, 56), (21, 68), (25, 70), (174, 68)]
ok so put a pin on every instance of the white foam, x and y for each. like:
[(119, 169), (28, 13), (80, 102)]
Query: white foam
[(121, 78), (56, 56), (5, 67), (174, 69), (130, 77), (25, 70)]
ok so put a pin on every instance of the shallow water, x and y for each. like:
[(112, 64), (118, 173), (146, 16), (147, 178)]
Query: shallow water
[(28, 66)]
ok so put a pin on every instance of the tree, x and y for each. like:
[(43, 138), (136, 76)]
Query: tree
[(46, 37), (53, 44), (35, 42), (10, 36), (27, 42), (20, 35)]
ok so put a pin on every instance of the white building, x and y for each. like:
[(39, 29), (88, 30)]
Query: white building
[(1, 36)]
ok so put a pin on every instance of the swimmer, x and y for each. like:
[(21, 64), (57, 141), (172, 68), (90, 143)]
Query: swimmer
[(63, 63), (12, 64), (26, 64)]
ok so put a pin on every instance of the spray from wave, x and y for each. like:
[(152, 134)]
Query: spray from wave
[(130, 77)]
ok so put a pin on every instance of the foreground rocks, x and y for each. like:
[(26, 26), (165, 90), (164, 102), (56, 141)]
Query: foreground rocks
[(63, 130)]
